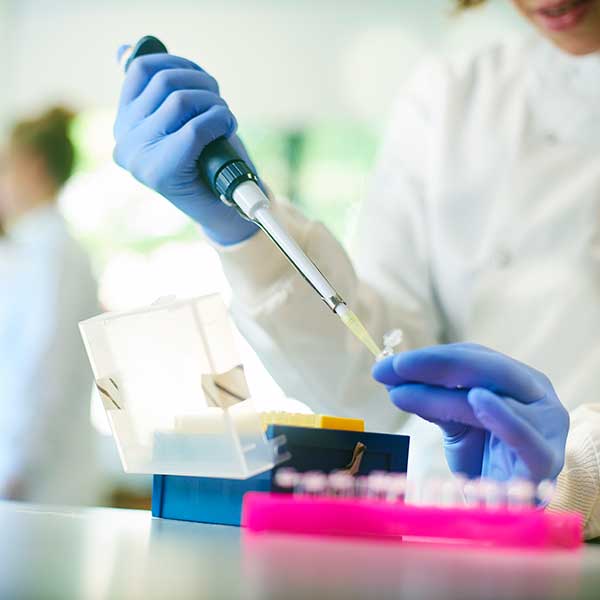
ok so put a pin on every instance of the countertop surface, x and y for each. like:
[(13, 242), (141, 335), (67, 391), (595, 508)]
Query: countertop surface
[(99, 553)]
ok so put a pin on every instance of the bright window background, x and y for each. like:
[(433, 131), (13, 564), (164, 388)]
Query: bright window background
[(312, 86)]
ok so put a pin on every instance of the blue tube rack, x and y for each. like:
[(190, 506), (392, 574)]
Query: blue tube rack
[(213, 500)]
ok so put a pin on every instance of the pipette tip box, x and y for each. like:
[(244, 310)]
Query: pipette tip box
[(219, 500)]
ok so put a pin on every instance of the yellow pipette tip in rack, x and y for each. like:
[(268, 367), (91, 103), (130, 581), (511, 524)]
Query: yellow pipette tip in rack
[(352, 322)]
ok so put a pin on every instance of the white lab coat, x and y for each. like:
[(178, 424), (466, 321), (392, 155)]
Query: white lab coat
[(483, 224), (46, 288)]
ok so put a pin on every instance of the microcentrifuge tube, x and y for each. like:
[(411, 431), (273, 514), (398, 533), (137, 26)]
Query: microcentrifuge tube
[(314, 483), (340, 484), (431, 492), (361, 486), (286, 478), (545, 491), (491, 493), (471, 492), (412, 493), (377, 484), (520, 493), (396, 487), (451, 494), (392, 340)]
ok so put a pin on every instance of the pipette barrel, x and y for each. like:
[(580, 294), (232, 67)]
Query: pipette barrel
[(252, 202)]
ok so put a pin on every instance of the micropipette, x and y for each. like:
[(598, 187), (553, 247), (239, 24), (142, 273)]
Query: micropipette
[(235, 184)]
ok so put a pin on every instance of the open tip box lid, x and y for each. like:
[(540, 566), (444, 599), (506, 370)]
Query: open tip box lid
[(174, 392)]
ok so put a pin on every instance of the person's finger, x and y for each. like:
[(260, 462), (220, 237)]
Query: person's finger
[(189, 141), (383, 372), (464, 450), (435, 404), (178, 109), (175, 114), (143, 68), (163, 84), (496, 415), (462, 366), (452, 431)]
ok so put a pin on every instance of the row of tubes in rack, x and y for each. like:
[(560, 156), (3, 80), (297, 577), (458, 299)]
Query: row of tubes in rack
[(452, 491)]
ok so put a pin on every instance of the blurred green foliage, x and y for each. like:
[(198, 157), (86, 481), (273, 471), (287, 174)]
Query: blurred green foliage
[(323, 169), (328, 178)]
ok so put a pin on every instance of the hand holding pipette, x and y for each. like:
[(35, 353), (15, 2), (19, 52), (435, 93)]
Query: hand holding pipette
[(176, 135), (169, 111)]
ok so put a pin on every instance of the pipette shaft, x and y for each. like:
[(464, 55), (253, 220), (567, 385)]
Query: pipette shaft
[(254, 205)]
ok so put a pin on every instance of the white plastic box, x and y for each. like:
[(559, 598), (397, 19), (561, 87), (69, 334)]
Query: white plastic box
[(159, 371)]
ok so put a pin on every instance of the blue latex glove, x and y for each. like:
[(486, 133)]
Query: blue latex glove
[(169, 111), (500, 418)]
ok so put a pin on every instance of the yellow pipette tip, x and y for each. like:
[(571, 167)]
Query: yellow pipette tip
[(352, 322)]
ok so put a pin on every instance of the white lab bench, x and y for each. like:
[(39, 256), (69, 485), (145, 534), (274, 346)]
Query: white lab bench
[(62, 553)]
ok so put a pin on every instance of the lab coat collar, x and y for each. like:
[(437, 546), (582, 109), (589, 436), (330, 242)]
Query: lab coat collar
[(564, 94)]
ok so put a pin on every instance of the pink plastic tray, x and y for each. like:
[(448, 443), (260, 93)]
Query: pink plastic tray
[(364, 517)]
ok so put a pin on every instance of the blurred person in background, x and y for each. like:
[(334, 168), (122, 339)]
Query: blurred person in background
[(46, 288), (483, 225)]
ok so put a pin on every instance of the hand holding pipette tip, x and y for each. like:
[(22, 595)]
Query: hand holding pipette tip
[(500, 418)]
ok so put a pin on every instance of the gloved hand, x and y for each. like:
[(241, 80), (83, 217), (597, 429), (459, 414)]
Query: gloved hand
[(169, 111), (500, 418)]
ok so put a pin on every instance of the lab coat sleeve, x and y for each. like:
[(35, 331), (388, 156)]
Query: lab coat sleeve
[(578, 485), (305, 347)]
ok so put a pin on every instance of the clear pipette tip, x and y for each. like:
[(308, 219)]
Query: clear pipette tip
[(352, 322)]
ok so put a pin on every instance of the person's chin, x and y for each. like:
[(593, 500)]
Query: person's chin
[(577, 46)]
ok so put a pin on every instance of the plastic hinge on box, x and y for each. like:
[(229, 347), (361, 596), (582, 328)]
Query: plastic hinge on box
[(159, 372)]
